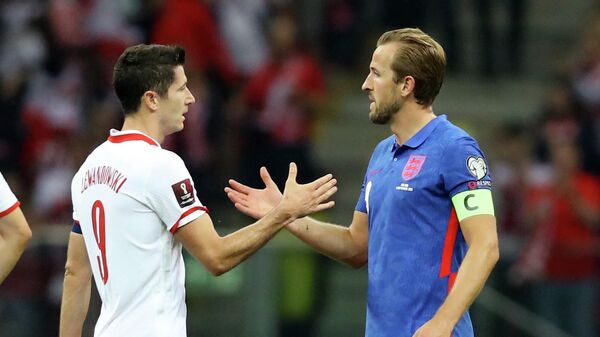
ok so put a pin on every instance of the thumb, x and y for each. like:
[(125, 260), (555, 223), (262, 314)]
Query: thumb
[(293, 172), (266, 177)]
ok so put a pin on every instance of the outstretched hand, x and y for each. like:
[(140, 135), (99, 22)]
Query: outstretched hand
[(298, 199), (303, 199), (254, 202)]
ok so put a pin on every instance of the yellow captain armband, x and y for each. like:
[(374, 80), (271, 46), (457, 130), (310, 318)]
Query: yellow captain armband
[(473, 202)]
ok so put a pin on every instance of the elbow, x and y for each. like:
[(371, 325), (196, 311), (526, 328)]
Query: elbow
[(21, 235), (216, 265), (25, 234), (357, 262), (77, 274), (217, 269), (493, 252)]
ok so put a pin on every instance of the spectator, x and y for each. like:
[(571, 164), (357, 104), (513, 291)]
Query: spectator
[(282, 100), (560, 258)]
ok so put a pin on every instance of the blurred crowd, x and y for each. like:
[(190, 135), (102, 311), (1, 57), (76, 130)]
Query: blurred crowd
[(259, 70), (548, 189)]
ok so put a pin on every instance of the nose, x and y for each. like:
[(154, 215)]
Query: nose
[(366, 86), (191, 99)]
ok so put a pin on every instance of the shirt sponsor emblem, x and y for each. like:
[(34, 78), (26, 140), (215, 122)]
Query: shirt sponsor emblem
[(479, 184), (477, 167), (413, 166), (184, 192)]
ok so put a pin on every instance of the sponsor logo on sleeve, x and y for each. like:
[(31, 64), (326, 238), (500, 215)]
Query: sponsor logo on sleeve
[(184, 192), (477, 167), (479, 184)]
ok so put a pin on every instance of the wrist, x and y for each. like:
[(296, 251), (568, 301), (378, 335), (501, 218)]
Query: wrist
[(283, 215), (446, 320)]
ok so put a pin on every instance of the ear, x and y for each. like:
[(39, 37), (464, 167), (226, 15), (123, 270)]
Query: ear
[(150, 100), (406, 86)]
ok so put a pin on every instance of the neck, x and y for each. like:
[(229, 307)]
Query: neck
[(409, 120), (138, 122)]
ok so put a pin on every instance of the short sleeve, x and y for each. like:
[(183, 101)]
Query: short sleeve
[(76, 227), (8, 201), (361, 204), (171, 193), (464, 167)]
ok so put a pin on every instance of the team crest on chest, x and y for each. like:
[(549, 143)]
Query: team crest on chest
[(413, 166)]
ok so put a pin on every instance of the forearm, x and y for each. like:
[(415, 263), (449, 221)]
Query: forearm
[(75, 304), (471, 277), (239, 245), (332, 240), (11, 249)]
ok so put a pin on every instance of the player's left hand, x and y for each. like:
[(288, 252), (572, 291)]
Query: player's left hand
[(300, 200), (434, 328)]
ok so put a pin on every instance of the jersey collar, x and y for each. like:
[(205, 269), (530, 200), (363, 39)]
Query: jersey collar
[(419, 137), (117, 136)]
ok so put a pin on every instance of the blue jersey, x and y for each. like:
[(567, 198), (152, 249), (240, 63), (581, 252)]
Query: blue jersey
[(415, 242)]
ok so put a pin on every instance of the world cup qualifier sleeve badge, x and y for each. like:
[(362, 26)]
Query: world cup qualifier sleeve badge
[(184, 192), (413, 166)]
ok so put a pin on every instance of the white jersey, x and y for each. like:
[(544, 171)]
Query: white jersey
[(129, 197), (8, 201)]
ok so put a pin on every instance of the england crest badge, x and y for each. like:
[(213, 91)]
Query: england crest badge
[(413, 166)]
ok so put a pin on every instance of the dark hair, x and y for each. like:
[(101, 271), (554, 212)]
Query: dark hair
[(145, 67), (419, 56)]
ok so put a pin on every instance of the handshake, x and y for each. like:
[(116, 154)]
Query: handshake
[(296, 201)]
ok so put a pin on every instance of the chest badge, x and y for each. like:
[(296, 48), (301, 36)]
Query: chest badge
[(413, 166)]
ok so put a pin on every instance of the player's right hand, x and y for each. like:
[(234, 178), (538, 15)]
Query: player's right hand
[(254, 202)]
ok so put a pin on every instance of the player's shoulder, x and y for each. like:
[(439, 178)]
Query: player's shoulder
[(166, 157), (452, 136), (452, 131), (385, 144), (164, 161)]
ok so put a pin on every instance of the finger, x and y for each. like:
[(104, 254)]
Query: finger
[(242, 208), (327, 194), (293, 173), (324, 179), (239, 187), (325, 187), (246, 210), (231, 192), (236, 197), (266, 177), (321, 207)]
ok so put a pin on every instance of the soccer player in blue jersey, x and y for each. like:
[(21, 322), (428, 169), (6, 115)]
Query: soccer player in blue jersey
[(424, 221)]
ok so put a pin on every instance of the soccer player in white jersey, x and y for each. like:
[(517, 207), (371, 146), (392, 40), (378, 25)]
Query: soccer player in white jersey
[(134, 206), (14, 231)]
